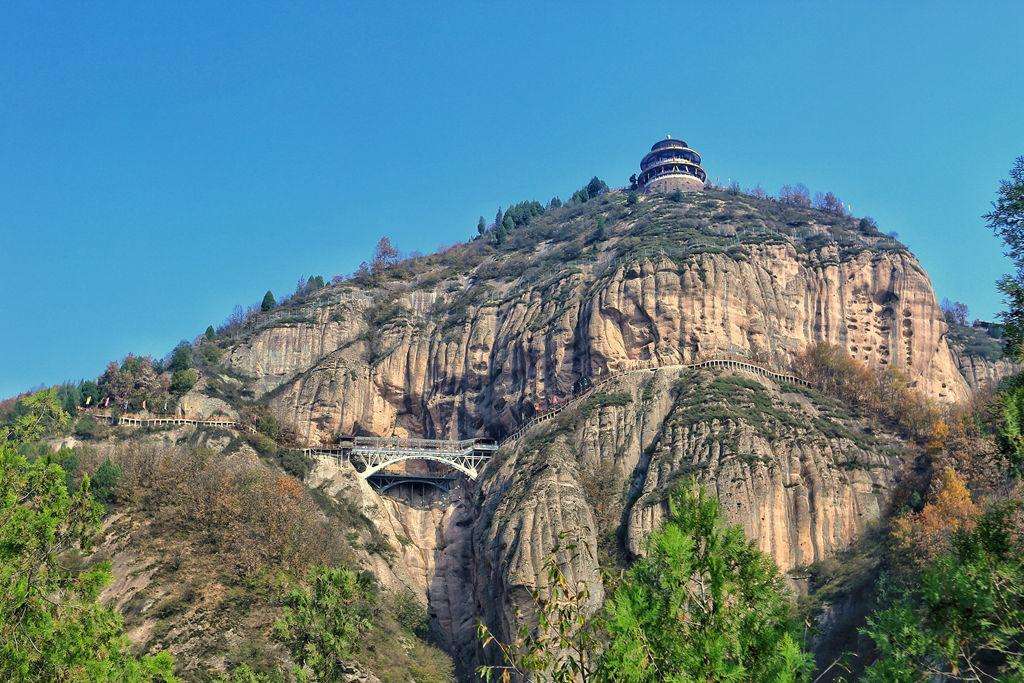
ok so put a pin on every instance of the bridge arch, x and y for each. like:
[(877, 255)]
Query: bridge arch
[(439, 485), (375, 460)]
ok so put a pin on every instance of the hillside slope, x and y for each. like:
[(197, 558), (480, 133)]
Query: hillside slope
[(479, 337)]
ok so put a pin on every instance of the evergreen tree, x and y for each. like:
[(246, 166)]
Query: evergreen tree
[(508, 223), (498, 219), (481, 226), (1007, 221), (960, 615), (210, 332), (268, 301), (703, 605), (181, 357), (555, 203), (325, 621), (52, 625), (500, 233)]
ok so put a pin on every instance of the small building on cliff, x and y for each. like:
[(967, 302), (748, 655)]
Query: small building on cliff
[(671, 165)]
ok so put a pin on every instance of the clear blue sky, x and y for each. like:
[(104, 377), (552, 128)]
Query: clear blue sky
[(162, 162)]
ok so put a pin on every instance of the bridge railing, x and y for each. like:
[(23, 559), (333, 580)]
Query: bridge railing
[(428, 444)]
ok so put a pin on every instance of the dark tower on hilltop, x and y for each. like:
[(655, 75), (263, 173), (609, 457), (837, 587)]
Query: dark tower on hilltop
[(671, 165)]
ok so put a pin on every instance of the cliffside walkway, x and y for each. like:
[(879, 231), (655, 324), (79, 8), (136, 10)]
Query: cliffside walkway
[(370, 456), (640, 367)]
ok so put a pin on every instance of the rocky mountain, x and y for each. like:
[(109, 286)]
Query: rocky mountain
[(480, 337)]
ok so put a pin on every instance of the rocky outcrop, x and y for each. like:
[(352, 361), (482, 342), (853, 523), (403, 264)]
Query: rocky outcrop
[(477, 339), (801, 476), (451, 352), (980, 372)]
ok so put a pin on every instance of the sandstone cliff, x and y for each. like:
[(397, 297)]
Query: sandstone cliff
[(475, 339), (802, 477), (478, 338)]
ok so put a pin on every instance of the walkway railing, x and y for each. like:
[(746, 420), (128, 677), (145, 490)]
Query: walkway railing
[(625, 368), (163, 421), (376, 452)]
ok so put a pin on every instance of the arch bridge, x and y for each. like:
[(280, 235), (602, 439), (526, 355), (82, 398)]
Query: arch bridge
[(369, 455)]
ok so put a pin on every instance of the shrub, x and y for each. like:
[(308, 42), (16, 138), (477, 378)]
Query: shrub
[(295, 463), (183, 380), (104, 481), (795, 195)]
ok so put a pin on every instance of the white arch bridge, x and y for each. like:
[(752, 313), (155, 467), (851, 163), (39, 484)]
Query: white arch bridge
[(369, 455)]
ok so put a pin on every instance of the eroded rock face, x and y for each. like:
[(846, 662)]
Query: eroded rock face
[(801, 477), (478, 352), (477, 347), (981, 373)]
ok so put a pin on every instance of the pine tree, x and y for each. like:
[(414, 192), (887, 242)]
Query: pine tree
[(210, 332), (703, 604), (498, 218), (268, 301), (481, 226), (1007, 221), (52, 625)]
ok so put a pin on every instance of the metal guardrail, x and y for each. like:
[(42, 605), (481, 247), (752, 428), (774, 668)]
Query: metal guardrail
[(465, 454)]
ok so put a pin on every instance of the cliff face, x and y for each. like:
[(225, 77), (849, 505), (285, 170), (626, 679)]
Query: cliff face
[(479, 338), (475, 340), (801, 476)]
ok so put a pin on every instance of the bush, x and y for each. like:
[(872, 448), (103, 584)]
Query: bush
[(104, 481), (295, 463), (183, 380)]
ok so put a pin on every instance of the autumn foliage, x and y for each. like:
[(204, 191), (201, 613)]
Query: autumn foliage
[(255, 517), (883, 393)]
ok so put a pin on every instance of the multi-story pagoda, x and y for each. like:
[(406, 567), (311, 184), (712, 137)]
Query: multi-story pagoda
[(671, 165)]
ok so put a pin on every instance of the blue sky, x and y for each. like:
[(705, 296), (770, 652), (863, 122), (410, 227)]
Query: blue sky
[(162, 162)]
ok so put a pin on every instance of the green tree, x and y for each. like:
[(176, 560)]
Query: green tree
[(499, 218), (481, 226), (632, 198), (52, 627), (500, 233), (961, 615), (1007, 221), (37, 415), (183, 380), (555, 203), (104, 481), (268, 302), (325, 621), (90, 392), (210, 332), (316, 282), (703, 605), (181, 358)]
